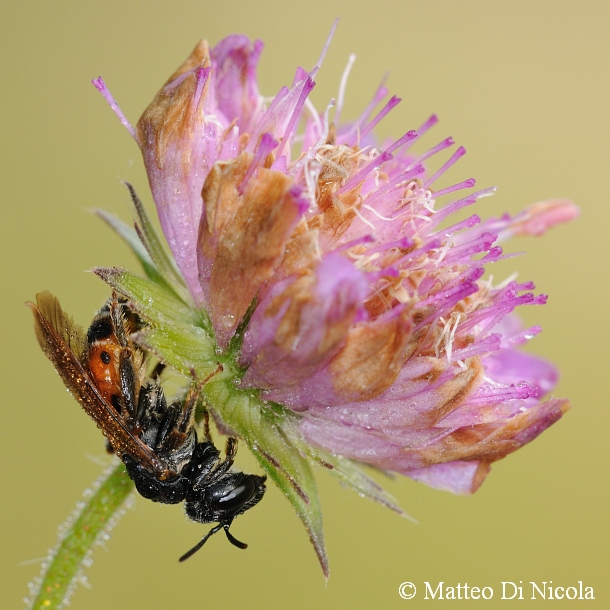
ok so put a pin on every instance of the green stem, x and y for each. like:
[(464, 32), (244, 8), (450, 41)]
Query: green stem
[(96, 516)]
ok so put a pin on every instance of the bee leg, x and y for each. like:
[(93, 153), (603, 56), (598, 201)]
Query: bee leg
[(231, 449), (167, 427), (118, 321), (224, 466), (206, 426), (197, 402), (188, 411), (127, 379), (156, 372)]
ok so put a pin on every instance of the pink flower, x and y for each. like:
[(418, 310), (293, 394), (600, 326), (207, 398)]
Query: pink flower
[(372, 320)]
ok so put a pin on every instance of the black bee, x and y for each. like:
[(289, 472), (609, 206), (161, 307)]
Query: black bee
[(157, 442)]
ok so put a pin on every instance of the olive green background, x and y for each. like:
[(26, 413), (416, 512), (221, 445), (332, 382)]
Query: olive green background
[(522, 85)]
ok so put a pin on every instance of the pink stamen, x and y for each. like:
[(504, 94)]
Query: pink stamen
[(375, 276), (342, 87), (405, 242), (100, 85), (481, 244), (430, 122), (453, 207), (449, 209), (508, 292), (503, 307), (470, 275), (328, 41), (300, 75), (386, 155), (466, 184), (266, 145), (460, 152), (494, 255), (489, 344), (394, 183), (433, 244), (281, 94), (394, 101), (525, 286), (428, 283), (379, 95), (451, 300), (470, 222), (365, 239), (307, 88), (410, 135), (378, 161), (492, 323), (451, 293), (446, 143), (268, 118)]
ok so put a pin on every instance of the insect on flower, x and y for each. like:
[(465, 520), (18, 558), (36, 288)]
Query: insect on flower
[(157, 442), (328, 277)]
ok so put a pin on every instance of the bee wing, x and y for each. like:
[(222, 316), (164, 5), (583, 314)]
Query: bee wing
[(64, 343), (71, 333)]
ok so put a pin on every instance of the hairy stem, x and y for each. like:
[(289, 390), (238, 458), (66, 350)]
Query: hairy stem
[(97, 516)]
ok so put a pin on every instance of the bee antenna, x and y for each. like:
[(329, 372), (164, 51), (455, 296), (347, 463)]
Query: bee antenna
[(234, 541), (200, 543)]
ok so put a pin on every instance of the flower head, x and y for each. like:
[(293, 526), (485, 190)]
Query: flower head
[(336, 280)]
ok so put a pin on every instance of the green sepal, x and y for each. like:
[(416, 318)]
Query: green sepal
[(351, 475), (346, 471), (179, 335), (191, 354), (154, 246), (263, 429), (130, 237), (147, 247), (157, 303)]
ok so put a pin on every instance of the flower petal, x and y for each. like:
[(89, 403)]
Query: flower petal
[(457, 477), (508, 366), (243, 236), (301, 323), (370, 361), (426, 404), (484, 443), (235, 86), (179, 148)]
